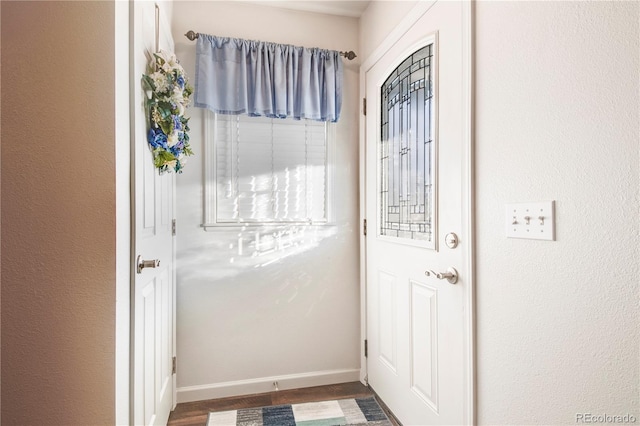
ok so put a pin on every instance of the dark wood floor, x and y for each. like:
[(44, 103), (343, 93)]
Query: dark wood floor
[(195, 413)]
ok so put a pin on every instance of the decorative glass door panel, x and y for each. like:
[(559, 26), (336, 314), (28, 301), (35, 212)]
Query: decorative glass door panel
[(406, 147)]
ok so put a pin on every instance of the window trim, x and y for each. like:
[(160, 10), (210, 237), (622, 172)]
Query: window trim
[(209, 173)]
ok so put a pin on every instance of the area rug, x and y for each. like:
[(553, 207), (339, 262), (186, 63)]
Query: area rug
[(357, 411)]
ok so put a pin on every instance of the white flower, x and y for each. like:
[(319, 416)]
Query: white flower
[(177, 97), (172, 139), (177, 67), (171, 59), (180, 109), (166, 56), (171, 164), (160, 81)]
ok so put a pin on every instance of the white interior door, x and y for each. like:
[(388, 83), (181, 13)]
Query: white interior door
[(416, 166), (154, 290)]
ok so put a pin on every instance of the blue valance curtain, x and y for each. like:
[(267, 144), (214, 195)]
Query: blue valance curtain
[(235, 76)]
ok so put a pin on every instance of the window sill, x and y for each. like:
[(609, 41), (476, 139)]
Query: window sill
[(243, 225)]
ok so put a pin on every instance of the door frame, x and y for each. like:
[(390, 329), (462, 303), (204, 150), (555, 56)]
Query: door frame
[(468, 192)]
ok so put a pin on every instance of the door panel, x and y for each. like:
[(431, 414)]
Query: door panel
[(147, 349), (414, 168), (424, 343), (153, 288), (387, 315)]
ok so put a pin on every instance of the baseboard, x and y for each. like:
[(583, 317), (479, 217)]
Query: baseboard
[(266, 384)]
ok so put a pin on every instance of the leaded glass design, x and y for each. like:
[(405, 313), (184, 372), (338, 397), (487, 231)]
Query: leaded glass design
[(406, 149)]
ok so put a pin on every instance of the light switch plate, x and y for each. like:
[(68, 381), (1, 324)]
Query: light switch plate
[(534, 221)]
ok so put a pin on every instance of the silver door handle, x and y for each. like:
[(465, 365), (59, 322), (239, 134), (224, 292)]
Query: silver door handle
[(141, 264), (451, 275)]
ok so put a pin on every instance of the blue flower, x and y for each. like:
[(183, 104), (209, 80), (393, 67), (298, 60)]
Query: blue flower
[(179, 146), (177, 124), (180, 81), (157, 138)]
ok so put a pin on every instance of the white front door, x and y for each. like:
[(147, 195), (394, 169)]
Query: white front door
[(417, 164), (154, 288)]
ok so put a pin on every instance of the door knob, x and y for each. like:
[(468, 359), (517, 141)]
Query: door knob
[(451, 275), (141, 264)]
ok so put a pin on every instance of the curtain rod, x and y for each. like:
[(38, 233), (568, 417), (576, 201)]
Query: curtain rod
[(192, 35)]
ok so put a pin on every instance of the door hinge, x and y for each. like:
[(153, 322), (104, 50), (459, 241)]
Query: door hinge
[(173, 227), (364, 227), (364, 106), (366, 348), (173, 365)]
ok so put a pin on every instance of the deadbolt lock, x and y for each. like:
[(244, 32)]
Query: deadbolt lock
[(451, 240)]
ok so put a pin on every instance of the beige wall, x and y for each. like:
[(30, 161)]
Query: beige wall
[(58, 213), (123, 210), (557, 86)]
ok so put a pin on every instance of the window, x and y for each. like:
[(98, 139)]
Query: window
[(266, 171), (406, 147)]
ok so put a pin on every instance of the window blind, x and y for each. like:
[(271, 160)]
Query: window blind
[(268, 170)]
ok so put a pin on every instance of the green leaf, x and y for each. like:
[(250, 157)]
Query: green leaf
[(164, 109), (152, 102), (166, 127), (159, 59), (162, 157), (148, 81)]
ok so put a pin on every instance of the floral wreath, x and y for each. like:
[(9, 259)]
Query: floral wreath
[(170, 92)]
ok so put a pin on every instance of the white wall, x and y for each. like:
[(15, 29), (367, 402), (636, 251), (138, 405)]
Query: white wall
[(558, 118), (557, 109), (58, 213), (242, 326), (379, 19)]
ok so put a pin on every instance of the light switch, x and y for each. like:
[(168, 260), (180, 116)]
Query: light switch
[(534, 221)]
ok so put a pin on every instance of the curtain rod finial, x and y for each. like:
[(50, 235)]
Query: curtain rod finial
[(191, 35), (350, 55)]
